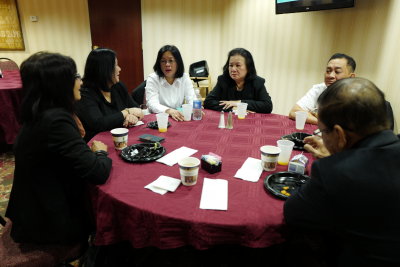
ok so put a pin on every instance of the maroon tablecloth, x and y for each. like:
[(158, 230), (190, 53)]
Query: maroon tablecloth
[(10, 102), (125, 210)]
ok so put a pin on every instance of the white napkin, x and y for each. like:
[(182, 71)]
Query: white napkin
[(173, 157), (251, 170), (163, 184), (138, 123), (214, 195)]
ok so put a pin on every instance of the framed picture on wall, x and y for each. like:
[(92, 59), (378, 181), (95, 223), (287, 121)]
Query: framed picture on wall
[(10, 27)]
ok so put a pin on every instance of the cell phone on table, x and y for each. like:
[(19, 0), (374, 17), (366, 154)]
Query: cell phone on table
[(149, 138)]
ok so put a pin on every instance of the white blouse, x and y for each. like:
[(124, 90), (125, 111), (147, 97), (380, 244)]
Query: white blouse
[(160, 95)]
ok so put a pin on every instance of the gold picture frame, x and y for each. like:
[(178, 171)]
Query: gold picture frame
[(10, 27)]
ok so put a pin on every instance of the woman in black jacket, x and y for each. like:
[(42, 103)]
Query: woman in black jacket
[(53, 164), (239, 83), (105, 102)]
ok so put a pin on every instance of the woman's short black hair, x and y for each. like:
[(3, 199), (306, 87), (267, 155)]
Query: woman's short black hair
[(251, 69), (48, 80), (178, 58), (99, 69)]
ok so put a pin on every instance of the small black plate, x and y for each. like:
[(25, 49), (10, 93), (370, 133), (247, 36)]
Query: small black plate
[(154, 125), (297, 138), (145, 152), (275, 182)]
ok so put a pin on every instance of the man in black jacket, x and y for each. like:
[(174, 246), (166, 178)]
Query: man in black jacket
[(352, 202)]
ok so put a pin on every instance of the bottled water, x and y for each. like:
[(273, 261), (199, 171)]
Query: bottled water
[(197, 112)]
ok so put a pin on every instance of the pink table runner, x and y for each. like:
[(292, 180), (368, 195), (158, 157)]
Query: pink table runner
[(125, 210)]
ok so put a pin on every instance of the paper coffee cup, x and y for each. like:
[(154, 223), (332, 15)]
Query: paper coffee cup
[(269, 157), (189, 170), (120, 137)]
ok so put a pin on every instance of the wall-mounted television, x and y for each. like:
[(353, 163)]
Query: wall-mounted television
[(292, 6)]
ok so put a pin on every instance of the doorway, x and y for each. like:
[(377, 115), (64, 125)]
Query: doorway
[(117, 25)]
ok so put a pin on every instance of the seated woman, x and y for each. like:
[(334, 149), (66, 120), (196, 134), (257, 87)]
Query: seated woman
[(48, 202), (239, 83), (105, 102), (168, 86)]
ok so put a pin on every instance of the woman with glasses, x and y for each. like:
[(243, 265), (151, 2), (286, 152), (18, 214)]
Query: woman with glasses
[(53, 164), (168, 87), (105, 102)]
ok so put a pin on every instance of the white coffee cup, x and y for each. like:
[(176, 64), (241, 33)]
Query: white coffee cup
[(120, 137), (189, 170), (269, 157)]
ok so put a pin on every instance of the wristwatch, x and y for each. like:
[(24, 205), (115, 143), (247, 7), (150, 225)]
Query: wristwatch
[(101, 152)]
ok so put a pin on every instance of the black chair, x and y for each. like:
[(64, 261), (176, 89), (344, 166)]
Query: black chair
[(138, 94), (199, 69), (13, 254)]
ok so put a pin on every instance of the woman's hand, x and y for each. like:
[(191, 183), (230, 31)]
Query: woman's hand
[(98, 145), (316, 147), (130, 120), (228, 104), (176, 115), (137, 112)]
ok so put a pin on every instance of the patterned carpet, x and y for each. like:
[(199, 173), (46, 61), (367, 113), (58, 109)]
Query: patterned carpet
[(6, 178)]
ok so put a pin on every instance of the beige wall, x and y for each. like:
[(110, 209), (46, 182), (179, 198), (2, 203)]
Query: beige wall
[(290, 50), (63, 27)]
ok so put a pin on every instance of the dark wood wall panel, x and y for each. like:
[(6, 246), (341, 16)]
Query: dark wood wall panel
[(117, 25)]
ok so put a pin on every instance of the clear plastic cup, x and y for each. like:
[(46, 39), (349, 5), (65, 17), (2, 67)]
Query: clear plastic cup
[(187, 111), (162, 122), (301, 117), (286, 147), (241, 110)]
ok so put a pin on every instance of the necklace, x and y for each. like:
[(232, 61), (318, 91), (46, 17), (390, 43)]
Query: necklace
[(238, 88)]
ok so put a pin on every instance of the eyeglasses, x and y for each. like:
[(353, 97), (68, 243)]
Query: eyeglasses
[(170, 62), (78, 76), (319, 132)]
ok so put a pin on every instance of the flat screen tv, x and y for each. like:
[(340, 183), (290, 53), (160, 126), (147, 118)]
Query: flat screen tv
[(292, 6)]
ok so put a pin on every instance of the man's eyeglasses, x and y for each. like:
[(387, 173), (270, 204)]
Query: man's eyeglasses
[(319, 132), (78, 76), (170, 62)]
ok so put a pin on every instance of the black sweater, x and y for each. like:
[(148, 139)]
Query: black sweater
[(97, 114)]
